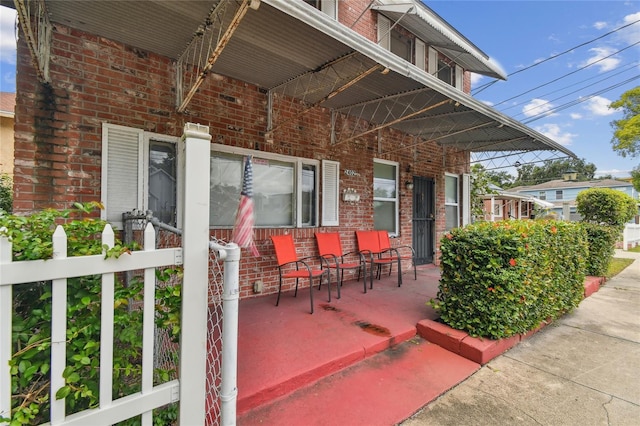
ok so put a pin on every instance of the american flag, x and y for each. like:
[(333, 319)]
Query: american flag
[(243, 228)]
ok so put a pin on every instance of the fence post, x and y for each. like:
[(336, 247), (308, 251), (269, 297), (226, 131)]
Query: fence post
[(195, 243), (58, 328), (6, 310)]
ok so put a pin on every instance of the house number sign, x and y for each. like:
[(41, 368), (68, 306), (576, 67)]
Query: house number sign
[(349, 172)]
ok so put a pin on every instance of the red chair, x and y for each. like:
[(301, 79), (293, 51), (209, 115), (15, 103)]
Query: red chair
[(330, 249), (385, 245), (369, 246), (286, 255)]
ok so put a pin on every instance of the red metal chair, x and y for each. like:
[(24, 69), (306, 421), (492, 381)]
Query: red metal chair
[(330, 249), (369, 246), (286, 255), (385, 245)]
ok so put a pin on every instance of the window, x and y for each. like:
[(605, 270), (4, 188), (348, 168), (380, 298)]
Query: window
[(330, 7), (542, 195), (559, 194), (497, 208), (394, 41), (285, 189), (139, 171), (445, 70), (385, 196), (451, 202)]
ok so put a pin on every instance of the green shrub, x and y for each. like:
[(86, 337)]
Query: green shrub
[(6, 193), (606, 206), (504, 278), (31, 334), (602, 240)]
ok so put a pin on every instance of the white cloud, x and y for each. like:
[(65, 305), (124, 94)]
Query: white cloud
[(555, 133), (475, 79), (600, 25), (599, 105), (598, 55), (575, 115), (7, 35), (537, 107), (613, 172), (630, 34)]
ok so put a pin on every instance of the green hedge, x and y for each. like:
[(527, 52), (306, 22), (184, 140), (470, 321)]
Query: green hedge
[(602, 241), (504, 278)]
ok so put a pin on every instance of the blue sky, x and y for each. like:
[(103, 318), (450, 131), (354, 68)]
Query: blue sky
[(518, 34), (572, 111)]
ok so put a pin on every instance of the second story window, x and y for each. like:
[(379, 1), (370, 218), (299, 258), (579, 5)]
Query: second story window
[(445, 70), (542, 195), (330, 7), (559, 194)]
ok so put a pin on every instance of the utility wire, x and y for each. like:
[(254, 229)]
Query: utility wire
[(568, 74), (487, 85)]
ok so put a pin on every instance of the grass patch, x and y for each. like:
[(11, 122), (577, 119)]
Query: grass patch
[(636, 249), (617, 265)]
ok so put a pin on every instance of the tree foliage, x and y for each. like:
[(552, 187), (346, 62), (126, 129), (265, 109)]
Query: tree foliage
[(480, 185), (6, 193), (530, 174), (626, 131), (635, 178)]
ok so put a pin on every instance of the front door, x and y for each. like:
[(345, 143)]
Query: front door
[(423, 219)]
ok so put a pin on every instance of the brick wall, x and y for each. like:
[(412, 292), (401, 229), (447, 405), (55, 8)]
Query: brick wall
[(94, 80)]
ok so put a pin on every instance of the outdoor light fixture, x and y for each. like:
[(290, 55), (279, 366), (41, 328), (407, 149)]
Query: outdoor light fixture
[(409, 185)]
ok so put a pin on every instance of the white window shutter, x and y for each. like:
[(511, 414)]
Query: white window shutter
[(433, 61), (421, 53), (121, 172), (330, 7), (459, 78), (466, 199), (330, 193), (384, 32)]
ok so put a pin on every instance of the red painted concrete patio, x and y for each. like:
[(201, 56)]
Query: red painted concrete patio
[(333, 367)]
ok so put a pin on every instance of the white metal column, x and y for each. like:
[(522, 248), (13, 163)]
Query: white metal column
[(195, 242)]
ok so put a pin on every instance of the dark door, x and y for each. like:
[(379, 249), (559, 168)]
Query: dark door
[(423, 219)]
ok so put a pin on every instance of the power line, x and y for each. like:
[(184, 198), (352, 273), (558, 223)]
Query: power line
[(487, 85), (568, 74)]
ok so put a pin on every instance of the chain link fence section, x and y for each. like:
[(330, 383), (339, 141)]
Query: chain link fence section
[(166, 352)]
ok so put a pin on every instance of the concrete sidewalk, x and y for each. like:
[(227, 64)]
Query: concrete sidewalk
[(582, 370)]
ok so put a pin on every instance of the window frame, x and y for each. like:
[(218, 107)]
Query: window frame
[(396, 199), (456, 204), (298, 163), (542, 195), (143, 140), (559, 194)]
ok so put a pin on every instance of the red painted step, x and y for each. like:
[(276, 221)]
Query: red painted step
[(381, 390)]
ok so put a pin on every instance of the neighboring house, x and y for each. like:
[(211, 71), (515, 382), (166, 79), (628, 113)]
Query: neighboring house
[(7, 108), (562, 193), (328, 96), (501, 204)]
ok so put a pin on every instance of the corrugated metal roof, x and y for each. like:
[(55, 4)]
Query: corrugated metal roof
[(285, 39), (432, 29), (563, 184)]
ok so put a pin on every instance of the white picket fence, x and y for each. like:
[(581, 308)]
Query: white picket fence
[(630, 236), (58, 270)]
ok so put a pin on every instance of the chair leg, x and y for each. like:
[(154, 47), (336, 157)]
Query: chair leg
[(295, 293), (311, 291), (363, 267), (399, 273), (339, 275), (279, 289), (329, 284), (415, 273)]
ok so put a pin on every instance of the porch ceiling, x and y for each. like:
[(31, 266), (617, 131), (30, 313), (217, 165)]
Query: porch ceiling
[(285, 41)]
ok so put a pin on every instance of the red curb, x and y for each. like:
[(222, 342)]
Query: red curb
[(481, 350), (592, 284)]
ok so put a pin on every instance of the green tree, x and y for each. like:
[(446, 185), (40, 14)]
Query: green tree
[(635, 178), (501, 179), (480, 185), (530, 174), (6, 193), (626, 134), (606, 206)]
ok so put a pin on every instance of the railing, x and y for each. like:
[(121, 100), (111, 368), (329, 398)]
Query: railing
[(58, 271), (630, 236)]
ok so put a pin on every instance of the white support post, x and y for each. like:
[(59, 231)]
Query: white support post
[(6, 309), (230, 312), (195, 243), (58, 329)]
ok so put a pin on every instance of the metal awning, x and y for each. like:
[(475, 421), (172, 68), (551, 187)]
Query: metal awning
[(428, 26), (289, 47)]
